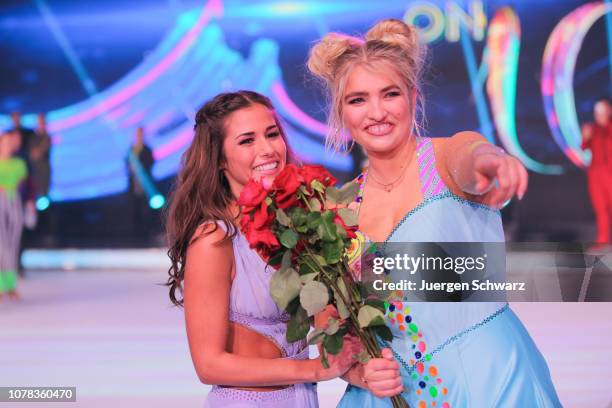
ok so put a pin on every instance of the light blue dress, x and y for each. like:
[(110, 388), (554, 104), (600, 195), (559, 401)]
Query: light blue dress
[(458, 355)]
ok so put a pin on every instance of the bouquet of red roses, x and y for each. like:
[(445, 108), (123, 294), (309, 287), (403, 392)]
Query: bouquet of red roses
[(302, 226)]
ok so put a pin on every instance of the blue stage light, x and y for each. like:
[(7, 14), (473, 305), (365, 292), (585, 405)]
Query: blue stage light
[(157, 201), (42, 203)]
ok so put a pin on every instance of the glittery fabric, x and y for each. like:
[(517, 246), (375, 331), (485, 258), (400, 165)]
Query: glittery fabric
[(457, 354)]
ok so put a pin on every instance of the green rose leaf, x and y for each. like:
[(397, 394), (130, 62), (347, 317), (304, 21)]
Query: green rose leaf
[(285, 286), (332, 194), (308, 277), (320, 260), (333, 251), (333, 326), (286, 260), (298, 216), (276, 258), (377, 303), (333, 344), (348, 192), (327, 229), (348, 216), (383, 332), (370, 316), (305, 191), (363, 290), (307, 265), (343, 310), (316, 336), (282, 217), (317, 186), (313, 219), (345, 195), (324, 358), (293, 306), (314, 297), (315, 204), (288, 238), (341, 232), (298, 326)]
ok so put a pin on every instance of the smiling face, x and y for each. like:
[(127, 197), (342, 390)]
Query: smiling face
[(377, 109), (253, 147)]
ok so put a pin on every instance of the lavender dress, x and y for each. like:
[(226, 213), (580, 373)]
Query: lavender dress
[(252, 306)]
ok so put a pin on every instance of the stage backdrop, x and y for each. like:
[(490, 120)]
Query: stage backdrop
[(525, 74)]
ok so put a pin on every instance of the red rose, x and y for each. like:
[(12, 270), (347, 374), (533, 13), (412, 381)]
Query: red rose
[(261, 217), (320, 173), (286, 185), (245, 222), (262, 239), (350, 231), (252, 195)]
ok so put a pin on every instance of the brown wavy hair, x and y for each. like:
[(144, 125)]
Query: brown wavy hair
[(202, 192)]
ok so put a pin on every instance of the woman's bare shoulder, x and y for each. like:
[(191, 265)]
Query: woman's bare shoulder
[(452, 143)]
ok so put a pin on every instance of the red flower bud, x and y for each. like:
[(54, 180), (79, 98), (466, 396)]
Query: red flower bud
[(286, 184), (320, 173), (252, 195)]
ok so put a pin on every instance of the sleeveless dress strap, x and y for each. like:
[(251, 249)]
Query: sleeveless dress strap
[(429, 178), (431, 182)]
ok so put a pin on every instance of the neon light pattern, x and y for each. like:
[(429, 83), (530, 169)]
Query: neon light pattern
[(193, 63), (477, 79), (190, 66), (558, 67), (503, 45)]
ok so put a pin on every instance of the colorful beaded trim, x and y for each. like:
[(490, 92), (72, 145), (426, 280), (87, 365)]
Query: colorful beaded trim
[(420, 369)]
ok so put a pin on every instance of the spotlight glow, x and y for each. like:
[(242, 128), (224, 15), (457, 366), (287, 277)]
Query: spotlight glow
[(157, 201), (42, 203), (558, 66)]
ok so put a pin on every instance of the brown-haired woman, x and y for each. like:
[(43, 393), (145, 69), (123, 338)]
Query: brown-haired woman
[(235, 330)]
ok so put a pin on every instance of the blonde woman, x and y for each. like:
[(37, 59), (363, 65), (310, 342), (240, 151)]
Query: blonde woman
[(419, 189)]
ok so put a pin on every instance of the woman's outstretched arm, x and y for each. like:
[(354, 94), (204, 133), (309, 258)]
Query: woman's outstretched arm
[(483, 169)]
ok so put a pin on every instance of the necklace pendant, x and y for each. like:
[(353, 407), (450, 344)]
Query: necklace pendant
[(388, 188)]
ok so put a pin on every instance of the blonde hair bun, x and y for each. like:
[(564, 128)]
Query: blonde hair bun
[(324, 53), (391, 42), (395, 32)]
